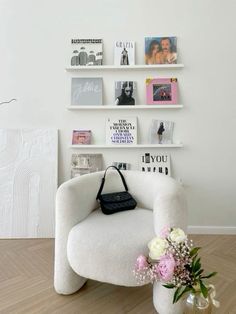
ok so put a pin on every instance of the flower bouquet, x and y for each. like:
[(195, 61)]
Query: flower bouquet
[(175, 263)]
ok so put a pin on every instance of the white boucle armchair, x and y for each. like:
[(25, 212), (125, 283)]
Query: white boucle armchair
[(91, 245)]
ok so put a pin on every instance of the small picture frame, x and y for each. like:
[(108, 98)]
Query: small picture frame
[(161, 91), (81, 137)]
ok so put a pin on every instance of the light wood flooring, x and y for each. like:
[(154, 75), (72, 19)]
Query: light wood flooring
[(26, 281)]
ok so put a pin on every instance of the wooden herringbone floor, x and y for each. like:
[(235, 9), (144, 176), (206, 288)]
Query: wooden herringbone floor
[(26, 281)]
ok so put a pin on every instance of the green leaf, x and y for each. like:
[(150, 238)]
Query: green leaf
[(199, 272), (194, 251), (169, 286), (182, 292), (197, 265), (177, 291), (210, 275), (203, 289)]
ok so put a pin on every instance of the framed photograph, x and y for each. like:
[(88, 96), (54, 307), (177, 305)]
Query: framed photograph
[(81, 137), (161, 132), (85, 163), (121, 131), (86, 52), (86, 91), (125, 93), (161, 91), (124, 53), (160, 50), (159, 163)]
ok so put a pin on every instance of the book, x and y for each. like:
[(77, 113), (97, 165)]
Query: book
[(86, 52), (81, 137), (160, 50), (125, 93), (121, 131), (159, 163), (161, 91), (86, 91), (124, 53), (161, 132), (85, 163), (121, 165)]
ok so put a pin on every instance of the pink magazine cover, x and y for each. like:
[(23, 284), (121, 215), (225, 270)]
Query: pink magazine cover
[(161, 91), (81, 137)]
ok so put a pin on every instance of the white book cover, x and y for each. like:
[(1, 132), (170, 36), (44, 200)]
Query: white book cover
[(86, 52), (124, 53), (159, 163), (121, 131), (85, 163), (161, 132)]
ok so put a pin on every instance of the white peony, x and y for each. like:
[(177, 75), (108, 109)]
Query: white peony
[(157, 247), (177, 235)]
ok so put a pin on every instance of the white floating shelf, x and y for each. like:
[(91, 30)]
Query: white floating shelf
[(126, 67), (128, 146), (124, 107)]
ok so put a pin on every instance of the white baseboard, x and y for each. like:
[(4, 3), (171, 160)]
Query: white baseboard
[(211, 230)]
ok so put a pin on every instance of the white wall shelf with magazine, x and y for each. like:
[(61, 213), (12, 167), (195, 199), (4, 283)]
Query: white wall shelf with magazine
[(113, 107), (92, 146), (125, 67)]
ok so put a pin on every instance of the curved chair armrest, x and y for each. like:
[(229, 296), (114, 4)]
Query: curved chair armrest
[(170, 208), (75, 200)]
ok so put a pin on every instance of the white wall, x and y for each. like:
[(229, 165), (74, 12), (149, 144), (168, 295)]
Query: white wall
[(35, 37)]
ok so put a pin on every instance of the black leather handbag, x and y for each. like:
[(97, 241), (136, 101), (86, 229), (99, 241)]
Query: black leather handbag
[(115, 202)]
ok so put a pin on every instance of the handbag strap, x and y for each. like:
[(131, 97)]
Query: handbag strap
[(103, 181)]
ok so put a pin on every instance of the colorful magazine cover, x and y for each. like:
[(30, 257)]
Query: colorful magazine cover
[(86, 91), (125, 93), (86, 52), (85, 163), (121, 131), (160, 50), (81, 137), (124, 53), (161, 132), (159, 163), (161, 91)]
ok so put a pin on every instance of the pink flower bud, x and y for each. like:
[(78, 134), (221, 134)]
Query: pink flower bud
[(141, 262)]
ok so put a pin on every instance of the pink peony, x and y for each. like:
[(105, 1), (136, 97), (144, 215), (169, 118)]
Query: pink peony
[(141, 262), (165, 268), (165, 231)]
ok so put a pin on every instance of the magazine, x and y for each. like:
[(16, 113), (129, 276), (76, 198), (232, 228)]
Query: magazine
[(161, 132), (81, 137), (161, 91), (124, 53), (159, 163), (86, 52), (125, 93), (121, 131), (85, 163), (121, 165), (160, 50), (86, 91)]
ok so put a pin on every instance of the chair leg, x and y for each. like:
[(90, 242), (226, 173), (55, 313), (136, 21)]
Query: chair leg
[(67, 281), (162, 300)]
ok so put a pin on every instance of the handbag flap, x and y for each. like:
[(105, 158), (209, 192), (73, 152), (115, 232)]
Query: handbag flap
[(115, 197)]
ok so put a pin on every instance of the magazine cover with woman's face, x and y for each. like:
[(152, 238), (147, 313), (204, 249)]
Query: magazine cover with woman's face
[(125, 93)]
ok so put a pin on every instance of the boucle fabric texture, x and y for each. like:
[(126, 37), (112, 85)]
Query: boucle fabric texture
[(85, 238)]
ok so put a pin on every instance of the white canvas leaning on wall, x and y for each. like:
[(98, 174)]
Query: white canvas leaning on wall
[(28, 182)]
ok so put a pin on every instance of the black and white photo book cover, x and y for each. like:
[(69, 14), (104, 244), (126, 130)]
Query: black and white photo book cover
[(86, 91), (125, 93), (86, 52), (121, 131), (124, 53), (121, 165), (159, 162), (161, 132)]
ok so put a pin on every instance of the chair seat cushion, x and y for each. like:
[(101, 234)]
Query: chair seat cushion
[(105, 248)]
